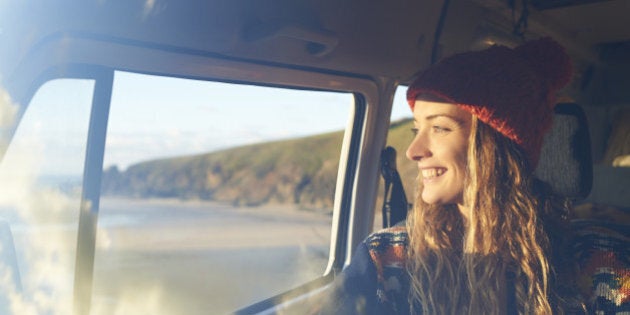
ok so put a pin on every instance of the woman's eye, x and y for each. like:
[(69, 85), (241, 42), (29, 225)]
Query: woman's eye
[(414, 131), (440, 129)]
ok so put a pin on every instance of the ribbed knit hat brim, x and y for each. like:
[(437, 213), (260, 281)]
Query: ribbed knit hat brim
[(511, 90)]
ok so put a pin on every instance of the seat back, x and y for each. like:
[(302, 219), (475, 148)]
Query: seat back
[(565, 160), (601, 245)]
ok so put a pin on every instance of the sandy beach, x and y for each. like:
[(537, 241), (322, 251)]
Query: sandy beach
[(193, 257)]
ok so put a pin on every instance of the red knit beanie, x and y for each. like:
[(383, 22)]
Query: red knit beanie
[(511, 90)]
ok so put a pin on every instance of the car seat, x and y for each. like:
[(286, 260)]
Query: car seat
[(601, 245)]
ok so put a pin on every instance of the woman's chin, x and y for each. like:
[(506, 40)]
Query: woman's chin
[(431, 200), (438, 200)]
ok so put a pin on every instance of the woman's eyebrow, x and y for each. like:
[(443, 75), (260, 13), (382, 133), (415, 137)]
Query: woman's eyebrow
[(454, 118)]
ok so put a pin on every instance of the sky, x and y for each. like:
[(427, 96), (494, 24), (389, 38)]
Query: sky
[(155, 117)]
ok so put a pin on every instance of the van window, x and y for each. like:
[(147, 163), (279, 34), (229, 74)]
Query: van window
[(399, 137), (40, 181), (214, 195)]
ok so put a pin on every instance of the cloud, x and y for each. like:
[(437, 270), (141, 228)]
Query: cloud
[(138, 299), (44, 250), (37, 269), (8, 110)]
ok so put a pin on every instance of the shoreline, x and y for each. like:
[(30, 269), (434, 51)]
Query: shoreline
[(276, 207), (156, 224)]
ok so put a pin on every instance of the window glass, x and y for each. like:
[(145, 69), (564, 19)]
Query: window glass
[(399, 137), (610, 141), (40, 181), (215, 196), (617, 153)]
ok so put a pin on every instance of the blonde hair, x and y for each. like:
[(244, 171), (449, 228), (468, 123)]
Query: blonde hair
[(460, 266)]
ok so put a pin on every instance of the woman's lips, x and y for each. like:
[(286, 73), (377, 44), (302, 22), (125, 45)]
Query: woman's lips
[(432, 172)]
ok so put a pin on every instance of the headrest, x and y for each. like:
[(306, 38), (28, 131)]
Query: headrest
[(565, 160)]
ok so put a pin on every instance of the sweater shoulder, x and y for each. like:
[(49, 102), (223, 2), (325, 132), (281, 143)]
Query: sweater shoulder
[(388, 247), (392, 236), (388, 251)]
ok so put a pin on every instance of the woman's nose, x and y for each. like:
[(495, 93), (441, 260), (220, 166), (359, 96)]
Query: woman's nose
[(418, 148)]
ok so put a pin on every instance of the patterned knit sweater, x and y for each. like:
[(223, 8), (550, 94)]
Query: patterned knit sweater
[(376, 281)]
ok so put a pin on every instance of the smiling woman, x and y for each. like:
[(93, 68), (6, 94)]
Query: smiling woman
[(482, 238), (440, 148)]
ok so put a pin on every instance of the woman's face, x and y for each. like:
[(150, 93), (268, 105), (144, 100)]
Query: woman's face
[(440, 147)]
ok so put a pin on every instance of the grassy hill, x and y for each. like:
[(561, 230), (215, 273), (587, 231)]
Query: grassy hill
[(299, 171)]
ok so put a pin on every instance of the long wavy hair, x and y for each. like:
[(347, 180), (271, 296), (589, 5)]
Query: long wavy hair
[(469, 266)]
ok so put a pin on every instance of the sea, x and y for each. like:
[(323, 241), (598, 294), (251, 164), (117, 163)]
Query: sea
[(170, 256)]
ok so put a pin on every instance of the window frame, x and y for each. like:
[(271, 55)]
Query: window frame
[(88, 57)]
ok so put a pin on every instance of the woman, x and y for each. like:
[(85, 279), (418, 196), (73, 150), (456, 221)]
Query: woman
[(485, 237)]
